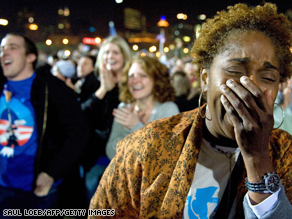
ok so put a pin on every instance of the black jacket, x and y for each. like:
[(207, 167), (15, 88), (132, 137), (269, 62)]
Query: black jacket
[(99, 114), (90, 85), (63, 136)]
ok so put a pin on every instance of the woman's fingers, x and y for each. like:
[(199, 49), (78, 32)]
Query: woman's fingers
[(263, 99), (248, 109), (122, 115), (236, 108)]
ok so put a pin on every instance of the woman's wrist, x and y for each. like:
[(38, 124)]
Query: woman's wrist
[(100, 93), (257, 167)]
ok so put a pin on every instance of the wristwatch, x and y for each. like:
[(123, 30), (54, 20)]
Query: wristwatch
[(270, 183)]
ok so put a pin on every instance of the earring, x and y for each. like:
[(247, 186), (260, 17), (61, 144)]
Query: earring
[(200, 98), (283, 116)]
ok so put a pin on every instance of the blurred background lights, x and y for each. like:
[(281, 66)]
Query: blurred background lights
[(135, 47), (49, 42), (66, 12), (162, 22), (171, 46), (30, 19), (92, 29), (181, 16), (186, 39), (186, 50), (157, 54), (197, 30), (152, 49), (97, 40), (65, 41), (67, 53), (60, 11), (202, 17), (166, 49), (119, 1), (61, 26), (3, 22), (33, 27)]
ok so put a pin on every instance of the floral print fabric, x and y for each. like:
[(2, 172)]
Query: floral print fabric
[(153, 169)]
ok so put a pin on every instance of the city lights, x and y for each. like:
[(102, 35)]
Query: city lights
[(61, 26), (186, 50), (48, 42), (135, 47), (202, 17), (186, 39), (152, 49), (65, 41), (181, 16), (67, 53), (162, 22), (3, 22), (66, 12), (166, 49), (30, 19), (171, 46), (91, 41), (33, 27), (62, 32), (60, 11), (97, 40)]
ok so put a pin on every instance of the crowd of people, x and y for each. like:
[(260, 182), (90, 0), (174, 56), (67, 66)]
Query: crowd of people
[(151, 139), (74, 102)]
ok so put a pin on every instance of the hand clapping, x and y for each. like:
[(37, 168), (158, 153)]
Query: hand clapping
[(128, 117)]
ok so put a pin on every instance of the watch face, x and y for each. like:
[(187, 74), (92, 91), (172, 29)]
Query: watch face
[(273, 183)]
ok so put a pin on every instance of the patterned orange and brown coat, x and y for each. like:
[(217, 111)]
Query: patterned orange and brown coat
[(153, 169)]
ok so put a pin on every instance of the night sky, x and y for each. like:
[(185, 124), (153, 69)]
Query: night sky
[(98, 13)]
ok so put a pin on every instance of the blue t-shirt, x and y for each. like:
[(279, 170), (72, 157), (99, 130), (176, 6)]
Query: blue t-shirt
[(18, 135)]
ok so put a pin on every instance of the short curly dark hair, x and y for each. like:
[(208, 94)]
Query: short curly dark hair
[(241, 18), (162, 91)]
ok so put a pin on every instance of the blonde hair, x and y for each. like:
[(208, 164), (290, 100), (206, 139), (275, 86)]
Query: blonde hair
[(121, 43)]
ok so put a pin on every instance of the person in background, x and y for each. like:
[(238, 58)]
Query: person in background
[(178, 66), (112, 57), (182, 88), (284, 103), (223, 159), (146, 94), (87, 82), (53, 59), (43, 130), (190, 69), (63, 69)]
